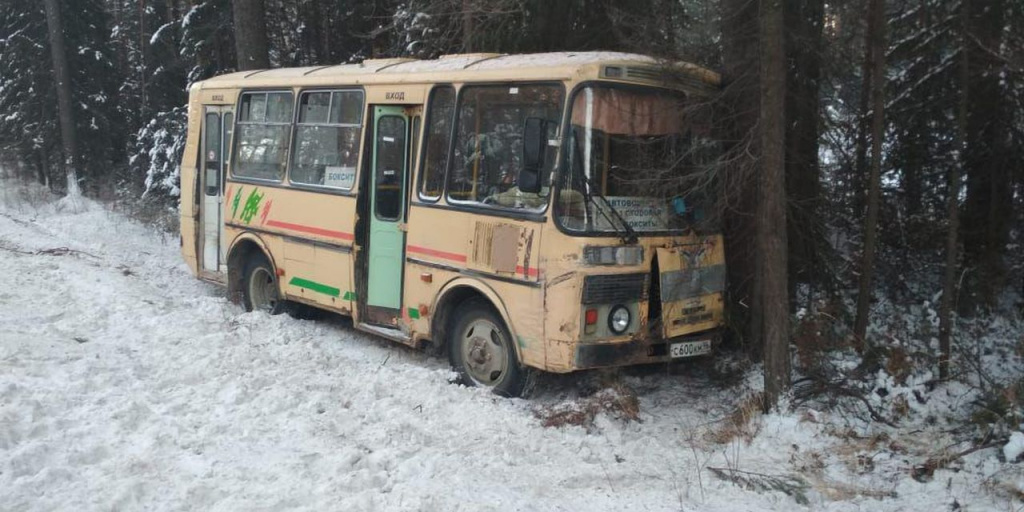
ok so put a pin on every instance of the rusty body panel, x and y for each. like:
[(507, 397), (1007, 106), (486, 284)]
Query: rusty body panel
[(531, 271)]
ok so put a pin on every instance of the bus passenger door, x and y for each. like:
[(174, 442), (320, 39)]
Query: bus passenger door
[(387, 217), (217, 126)]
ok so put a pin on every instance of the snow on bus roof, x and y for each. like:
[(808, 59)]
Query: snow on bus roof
[(451, 63), (500, 61)]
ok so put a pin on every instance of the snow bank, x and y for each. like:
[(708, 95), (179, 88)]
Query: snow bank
[(126, 384), (1014, 447)]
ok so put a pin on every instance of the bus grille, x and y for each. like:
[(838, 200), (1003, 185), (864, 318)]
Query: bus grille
[(650, 74), (610, 289), (665, 76)]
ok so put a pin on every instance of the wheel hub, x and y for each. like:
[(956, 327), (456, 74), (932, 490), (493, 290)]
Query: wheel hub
[(484, 353), (263, 290)]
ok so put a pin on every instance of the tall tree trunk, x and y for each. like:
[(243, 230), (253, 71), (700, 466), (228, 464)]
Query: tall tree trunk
[(989, 204), (876, 43), (251, 45), (771, 218), (62, 75), (952, 202), (143, 44), (739, 186), (469, 43), (863, 122), (804, 22)]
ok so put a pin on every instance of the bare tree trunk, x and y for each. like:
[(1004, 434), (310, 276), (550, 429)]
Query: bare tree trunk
[(61, 74), (804, 44), (771, 219), (468, 27), (876, 42), (143, 44), (251, 47), (988, 207), (953, 202), (740, 187), (863, 126)]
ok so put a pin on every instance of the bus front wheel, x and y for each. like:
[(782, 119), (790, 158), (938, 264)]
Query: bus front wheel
[(259, 287), (480, 350)]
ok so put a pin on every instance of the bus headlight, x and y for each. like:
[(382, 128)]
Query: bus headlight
[(619, 319), (611, 255)]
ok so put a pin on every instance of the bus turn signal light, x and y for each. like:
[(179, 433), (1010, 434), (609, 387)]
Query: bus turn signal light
[(590, 318)]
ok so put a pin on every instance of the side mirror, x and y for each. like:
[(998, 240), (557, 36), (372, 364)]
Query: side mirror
[(535, 133)]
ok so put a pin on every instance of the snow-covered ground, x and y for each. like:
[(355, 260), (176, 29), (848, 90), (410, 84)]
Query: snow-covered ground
[(126, 384)]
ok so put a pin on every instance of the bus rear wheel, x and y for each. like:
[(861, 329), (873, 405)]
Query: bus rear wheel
[(260, 291), (480, 350)]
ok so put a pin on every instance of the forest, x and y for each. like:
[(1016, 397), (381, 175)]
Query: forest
[(871, 187)]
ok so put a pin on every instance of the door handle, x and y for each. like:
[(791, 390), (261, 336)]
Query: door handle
[(403, 227)]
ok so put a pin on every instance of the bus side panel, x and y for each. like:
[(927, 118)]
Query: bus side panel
[(525, 306), (315, 230), (435, 253), (188, 210), (441, 245), (563, 283)]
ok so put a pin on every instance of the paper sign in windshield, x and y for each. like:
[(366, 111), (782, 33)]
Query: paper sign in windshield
[(641, 213)]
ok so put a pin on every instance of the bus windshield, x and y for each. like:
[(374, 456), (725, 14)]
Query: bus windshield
[(636, 157)]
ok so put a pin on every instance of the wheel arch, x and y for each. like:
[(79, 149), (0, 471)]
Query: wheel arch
[(457, 292), (243, 247)]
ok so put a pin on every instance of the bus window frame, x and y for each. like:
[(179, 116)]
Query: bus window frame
[(322, 189), (421, 157), (235, 140), (501, 211)]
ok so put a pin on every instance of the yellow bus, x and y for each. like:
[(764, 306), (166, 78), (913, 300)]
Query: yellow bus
[(517, 212)]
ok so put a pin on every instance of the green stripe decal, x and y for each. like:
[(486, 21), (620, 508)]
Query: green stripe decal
[(314, 286), (414, 313), (349, 296)]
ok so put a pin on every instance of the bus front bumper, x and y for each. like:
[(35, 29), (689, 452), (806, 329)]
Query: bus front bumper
[(605, 355)]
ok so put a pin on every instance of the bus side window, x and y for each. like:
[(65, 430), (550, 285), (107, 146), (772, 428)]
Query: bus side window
[(391, 133), (437, 142), (488, 147), (327, 139), (213, 154), (264, 127)]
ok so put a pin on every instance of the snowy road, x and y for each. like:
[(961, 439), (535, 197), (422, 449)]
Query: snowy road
[(125, 384)]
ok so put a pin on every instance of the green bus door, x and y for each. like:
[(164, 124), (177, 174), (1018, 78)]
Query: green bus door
[(387, 203)]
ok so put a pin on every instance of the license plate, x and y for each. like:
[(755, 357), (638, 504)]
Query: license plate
[(690, 348)]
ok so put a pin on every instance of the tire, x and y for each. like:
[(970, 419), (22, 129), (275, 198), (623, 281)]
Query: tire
[(260, 290), (480, 350)]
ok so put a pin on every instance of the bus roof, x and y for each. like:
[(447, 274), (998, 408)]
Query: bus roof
[(469, 67)]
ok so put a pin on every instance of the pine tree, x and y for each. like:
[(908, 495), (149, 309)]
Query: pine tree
[(28, 122)]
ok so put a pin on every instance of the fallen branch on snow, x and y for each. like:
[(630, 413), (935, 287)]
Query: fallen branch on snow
[(924, 472), (789, 485)]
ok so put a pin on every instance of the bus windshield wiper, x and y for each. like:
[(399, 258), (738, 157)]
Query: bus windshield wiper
[(627, 233)]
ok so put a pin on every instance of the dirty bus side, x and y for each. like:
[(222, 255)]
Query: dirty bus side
[(516, 212)]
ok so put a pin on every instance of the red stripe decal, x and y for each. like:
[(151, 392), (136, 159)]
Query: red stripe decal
[(461, 258), (532, 273), (311, 230)]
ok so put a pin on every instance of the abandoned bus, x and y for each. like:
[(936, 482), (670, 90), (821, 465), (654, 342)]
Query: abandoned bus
[(518, 212)]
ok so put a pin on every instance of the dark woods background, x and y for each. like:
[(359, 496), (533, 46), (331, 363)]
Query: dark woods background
[(945, 119)]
